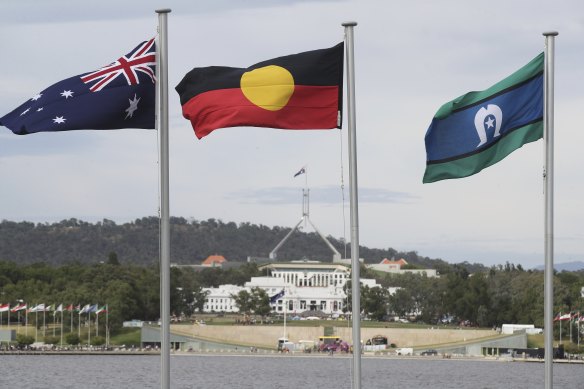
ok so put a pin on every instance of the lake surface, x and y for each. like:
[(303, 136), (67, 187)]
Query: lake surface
[(274, 372)]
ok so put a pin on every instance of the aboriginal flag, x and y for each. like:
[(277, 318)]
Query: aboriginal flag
[(297, 92)]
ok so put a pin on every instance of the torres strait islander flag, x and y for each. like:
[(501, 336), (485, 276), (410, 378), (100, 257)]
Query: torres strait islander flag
[(479, 129), (297, 92)]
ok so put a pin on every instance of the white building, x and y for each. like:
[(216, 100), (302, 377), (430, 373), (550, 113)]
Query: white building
[(307, 286), (392, 266), (220, 300)]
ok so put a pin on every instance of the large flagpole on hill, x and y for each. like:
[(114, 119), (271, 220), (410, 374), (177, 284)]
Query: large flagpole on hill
[(548, 177), (162, 127), (356, 285)]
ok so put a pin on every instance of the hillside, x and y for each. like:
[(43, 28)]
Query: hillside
[(191, 242)]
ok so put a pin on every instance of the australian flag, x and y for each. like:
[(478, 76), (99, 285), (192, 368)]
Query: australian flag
[(118, 95), (299, 172), (277, 296)]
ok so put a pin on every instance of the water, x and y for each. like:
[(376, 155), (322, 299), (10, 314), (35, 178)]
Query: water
[(274, 372)]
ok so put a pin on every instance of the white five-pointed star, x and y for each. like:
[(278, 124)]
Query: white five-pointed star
[(36, 97), (133, 107), (59, 120), (39, 109), (67, 93), (489, 122), (25, 111)]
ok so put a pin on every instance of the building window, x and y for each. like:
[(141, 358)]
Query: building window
[(302, 304)]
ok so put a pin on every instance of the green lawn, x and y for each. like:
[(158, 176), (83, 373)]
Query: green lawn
[(127, 336)]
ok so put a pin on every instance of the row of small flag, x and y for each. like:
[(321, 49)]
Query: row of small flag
[(572, 316), (88, 308)]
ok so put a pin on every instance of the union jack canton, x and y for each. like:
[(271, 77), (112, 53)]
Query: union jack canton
[(118, 95)]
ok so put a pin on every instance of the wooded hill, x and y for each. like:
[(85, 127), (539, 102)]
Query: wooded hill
[(137, 242)]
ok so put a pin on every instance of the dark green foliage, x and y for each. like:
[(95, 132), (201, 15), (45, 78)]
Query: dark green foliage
[(24, 340), (98, 341), (52, 339), (74, 240), (72, 339)]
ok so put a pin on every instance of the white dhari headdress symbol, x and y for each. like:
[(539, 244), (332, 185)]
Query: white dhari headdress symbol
[(481, 123)]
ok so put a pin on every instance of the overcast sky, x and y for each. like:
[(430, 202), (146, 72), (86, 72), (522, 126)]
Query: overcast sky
[(411, 57)]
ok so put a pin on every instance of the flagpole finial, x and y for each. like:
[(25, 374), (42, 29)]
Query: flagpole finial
[(349, 24), (550, 33), (163, 11)]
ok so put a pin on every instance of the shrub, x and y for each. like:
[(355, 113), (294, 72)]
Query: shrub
[(98, 341), (72, 339), (24, 340)]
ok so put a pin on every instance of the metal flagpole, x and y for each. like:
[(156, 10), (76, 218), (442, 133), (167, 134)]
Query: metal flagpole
[(548, 177), (162, 127), (106, 326), (356, 298)]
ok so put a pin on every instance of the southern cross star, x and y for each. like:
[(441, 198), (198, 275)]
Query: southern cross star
[(59, 120)]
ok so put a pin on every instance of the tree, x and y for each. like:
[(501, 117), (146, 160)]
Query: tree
[(375, 302), (244, 302), (256, 302), (72, 338), (261, 302), (402, 303), (24, 340), (112, 259)]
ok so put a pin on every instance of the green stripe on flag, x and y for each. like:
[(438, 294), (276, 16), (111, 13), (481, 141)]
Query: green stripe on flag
[(464, 167), (526, 73)]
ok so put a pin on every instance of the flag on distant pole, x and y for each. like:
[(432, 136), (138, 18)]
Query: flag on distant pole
[(5, 308), (18, 307), (479, 129), (296, 92), (301, 171), (97, 313), (101, 310), (277, 296), (118, 95)]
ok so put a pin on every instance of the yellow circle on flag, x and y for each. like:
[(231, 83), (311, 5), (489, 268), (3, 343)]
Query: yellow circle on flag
[(269, 87)]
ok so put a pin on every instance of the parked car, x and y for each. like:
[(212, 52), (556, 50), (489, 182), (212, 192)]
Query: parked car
[(430, 352)]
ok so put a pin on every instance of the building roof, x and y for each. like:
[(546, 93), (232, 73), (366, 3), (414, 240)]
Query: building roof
[(214, 260), (309, 266), (400, 262)]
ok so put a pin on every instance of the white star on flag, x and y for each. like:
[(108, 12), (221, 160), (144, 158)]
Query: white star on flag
[(67, 93), (25, 111), (36, 97), (133, 106), (59, 120)]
